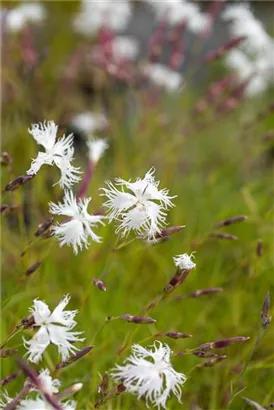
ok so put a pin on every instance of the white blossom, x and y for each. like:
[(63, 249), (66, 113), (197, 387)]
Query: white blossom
[(142, 209), (97, 13), (4, 400), (16, 18), (163, 76), (149, 374), (184, 261), (78, 228), (59, 152), (88, 122), (54, 327), (96, 148), (124, 48), (40, 404)]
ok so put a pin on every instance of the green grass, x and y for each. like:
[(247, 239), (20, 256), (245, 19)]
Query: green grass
[(216, 173)]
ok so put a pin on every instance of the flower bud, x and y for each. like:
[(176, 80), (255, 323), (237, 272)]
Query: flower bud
[(231, 220), (103, 386), (223, 343), (74, 357), (223, 235), (17, 182), (99, 284), (7, 352), (137, 319), (5, 159), (33, 268), (260, 248), (265, 317), (10, 378), (211, 362), (175, 335), (43, 227)]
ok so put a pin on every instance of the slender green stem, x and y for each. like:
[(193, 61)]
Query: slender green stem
[(13, 333)]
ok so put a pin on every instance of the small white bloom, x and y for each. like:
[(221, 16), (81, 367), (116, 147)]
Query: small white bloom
[(18, 17), (124, 48), (149, 374), (96, 148), (40, 404), (88, 122), (77, 229), (58, 152), (141, 209), (49, 385), (184, 261), (54, 328), (4, 400), (96, 13), (163, 76)]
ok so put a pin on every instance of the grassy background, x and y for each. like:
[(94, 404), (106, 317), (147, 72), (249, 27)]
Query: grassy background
[(217, 172)]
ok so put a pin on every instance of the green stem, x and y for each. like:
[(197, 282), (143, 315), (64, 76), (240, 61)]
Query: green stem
[(13, 333)]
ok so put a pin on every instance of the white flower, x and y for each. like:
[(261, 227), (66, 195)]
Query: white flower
[(163, 76), (149, 374), (124, 48), (96, 148), (18, 17), (58, 152), (49, 385), (96, 13), (54, 328), (77, 229), (88, 122), (141, 209), (184, 261), (4, 400), (41, 404)]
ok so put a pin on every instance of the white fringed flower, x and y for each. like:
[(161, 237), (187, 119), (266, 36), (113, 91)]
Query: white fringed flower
[(40, 404), (184, 261), (141, 209), (58, 152), (96, 149), (54, 328), (16, 18), (149, 374), (88, 122), (163, 76), (97, 13), (77, 229), (4, 400)]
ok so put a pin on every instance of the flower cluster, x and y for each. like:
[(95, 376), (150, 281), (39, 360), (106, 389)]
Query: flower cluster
[(253, 61)]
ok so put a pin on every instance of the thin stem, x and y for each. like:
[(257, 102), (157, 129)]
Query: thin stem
[(13, 333)]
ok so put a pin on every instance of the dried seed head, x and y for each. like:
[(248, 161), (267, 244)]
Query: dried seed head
[(17, 182), (138, 319), (175, 335), (33, 268), (230, 221), (99, 284), (7, 352), (260, 248), (43, 227), (223, 235), (5, 159), (265, 317), (10, 378), (223, 343), (74, 357)]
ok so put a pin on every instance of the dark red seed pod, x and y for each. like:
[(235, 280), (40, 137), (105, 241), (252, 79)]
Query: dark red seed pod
[(231, 220), (33, 268), (73, 358), (17, 182), (140, 320), (99, 284)]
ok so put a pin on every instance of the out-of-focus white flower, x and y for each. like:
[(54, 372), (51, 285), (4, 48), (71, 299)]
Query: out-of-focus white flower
[(88, 122), (4, 400), (58, 152), (77, 229), (184, 261), (18, 17), (149, 374), (141, 209), (54, 328), (163, 76), (124, 48), (96, 148), (237, 11), (178, 11), (40, 404), (97, 13)]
